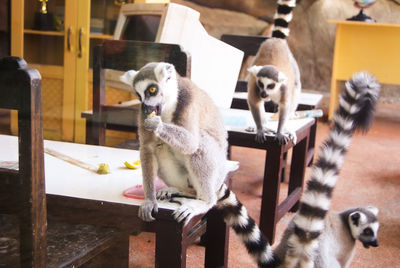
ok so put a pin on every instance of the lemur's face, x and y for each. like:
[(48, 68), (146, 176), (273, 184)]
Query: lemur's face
[(364, 226), (154, 84), (268, 80), (266, 86)]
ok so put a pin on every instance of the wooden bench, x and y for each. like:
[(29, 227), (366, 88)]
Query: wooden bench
[(28, 238)]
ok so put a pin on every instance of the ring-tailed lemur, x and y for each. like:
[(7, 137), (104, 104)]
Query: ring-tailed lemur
[(312, 236), (307, 231), (275, 76), (185, 145)]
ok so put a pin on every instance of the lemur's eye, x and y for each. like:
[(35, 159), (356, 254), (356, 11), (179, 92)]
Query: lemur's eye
[(152, 89), (367, 231), (260, 85), (271, 86)]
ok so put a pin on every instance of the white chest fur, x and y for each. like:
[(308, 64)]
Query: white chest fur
[(172, 167)]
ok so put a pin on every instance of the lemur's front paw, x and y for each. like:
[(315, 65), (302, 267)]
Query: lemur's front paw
[(152, 123), (146, 210), (167, 193), (184, 213), (260, 136), (282, 138)]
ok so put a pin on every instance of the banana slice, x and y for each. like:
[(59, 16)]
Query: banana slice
[(132, 164), (103, 169)]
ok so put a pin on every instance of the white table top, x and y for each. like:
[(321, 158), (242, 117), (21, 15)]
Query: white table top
[(239, 120), (63, 178), (305, 98)]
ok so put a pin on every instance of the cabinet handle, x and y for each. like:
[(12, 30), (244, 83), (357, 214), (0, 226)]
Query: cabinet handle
[(69, 39), (80, 43)]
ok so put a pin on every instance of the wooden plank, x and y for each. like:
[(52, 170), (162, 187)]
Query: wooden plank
[(289, 202), (248, 44), (69, 71), (50, 33), (139, 53), (82, 65)]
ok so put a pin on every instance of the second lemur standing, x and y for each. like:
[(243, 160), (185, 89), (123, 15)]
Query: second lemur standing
[(275, 76)]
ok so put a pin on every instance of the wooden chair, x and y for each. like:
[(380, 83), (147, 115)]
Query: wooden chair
[(123, 56), (271, 212), (127, 55), (27, 238)]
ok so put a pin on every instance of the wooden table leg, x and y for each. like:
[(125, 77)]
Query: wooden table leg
[(170, 251), (311, 144), (270, 194), (216, 241), (297, 169)]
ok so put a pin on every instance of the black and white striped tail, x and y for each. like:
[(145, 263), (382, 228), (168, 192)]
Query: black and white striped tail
[(235, 215), (282, 17), (355, 112)]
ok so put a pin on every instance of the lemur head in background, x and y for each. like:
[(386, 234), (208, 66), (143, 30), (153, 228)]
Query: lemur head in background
[(268, 80), (364, 225), (155, 84)]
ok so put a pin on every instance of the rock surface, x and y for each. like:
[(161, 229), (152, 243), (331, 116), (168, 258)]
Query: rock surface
[(311, 38)]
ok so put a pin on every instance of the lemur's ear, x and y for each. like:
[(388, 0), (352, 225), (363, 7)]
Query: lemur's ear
[(281, 77), (164, 71), (127, 77), (373, 209), (254, 69)]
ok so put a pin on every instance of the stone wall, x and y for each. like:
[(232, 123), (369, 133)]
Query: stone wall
[(311, 38)]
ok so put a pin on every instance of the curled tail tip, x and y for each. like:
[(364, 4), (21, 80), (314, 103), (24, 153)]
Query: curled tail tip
[(290, 3), (273, 263), (358, 101)]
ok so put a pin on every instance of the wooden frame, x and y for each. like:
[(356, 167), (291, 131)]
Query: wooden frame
[(123, 56), (22, 191), (25, 97)]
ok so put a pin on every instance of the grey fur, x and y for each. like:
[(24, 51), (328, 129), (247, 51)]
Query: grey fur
[(336, 244), (315, 235), (147, 72), (185, 146), (269, 71)]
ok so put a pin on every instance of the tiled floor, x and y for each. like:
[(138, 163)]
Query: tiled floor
[(371, 175)]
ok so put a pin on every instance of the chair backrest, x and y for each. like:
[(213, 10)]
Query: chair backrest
[(22, 191), (125, 55), (249, 45)]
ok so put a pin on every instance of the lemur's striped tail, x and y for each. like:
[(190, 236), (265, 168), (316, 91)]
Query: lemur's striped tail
[(235, 215), (282, 17), (355, 112)]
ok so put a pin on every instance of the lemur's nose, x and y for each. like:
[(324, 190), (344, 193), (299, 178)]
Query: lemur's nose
[(264, 94)]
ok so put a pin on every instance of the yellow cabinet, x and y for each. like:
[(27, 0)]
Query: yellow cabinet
[(372, 47), (59, 45)]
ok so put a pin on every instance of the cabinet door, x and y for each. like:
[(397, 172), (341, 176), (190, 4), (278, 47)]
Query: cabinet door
[(45, 36), (82, 67), (103, 19)]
